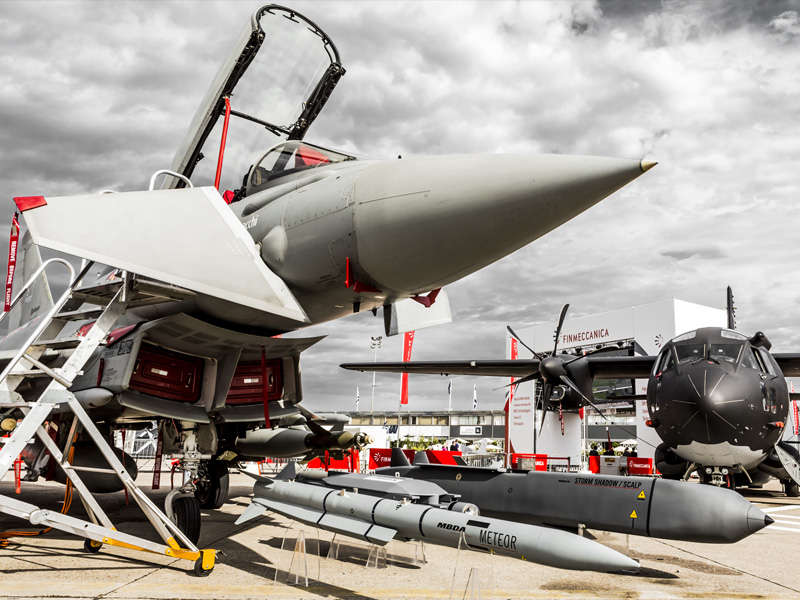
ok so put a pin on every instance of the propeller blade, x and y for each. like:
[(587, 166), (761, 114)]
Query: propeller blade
[(561, 318), (525, 379), (592, 404), (516, 337), (547, 391), (568, 382)]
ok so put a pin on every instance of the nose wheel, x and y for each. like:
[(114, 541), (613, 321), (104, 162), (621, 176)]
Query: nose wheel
[(184, 511), (718, 476)]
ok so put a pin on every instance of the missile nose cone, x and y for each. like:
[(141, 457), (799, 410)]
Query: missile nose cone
[(757, 519), (646, 165), (423, 223), (583, 554)]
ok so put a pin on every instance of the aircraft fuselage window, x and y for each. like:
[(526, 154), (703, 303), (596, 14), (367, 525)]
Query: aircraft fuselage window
[(764, 358), (749, 360), (665, 362), (690, 352)]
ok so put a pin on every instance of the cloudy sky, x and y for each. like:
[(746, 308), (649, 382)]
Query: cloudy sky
[(97, 95)]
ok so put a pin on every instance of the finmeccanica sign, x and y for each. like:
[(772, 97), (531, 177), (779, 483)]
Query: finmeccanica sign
[(584, 336)]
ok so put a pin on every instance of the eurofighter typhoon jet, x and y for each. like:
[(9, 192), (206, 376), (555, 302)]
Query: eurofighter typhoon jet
[(255, 232)]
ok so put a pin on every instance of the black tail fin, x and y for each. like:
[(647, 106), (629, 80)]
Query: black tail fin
[(421, 458), (399, 458)]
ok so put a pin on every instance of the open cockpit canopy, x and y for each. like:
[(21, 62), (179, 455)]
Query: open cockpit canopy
[(277, 78), (289, 158)]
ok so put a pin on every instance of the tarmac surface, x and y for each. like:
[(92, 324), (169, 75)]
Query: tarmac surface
[(252, 564)]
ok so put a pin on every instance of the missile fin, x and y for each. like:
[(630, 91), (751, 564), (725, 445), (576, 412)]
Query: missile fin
[(357, 528), (260, 478), (251, 512), (293, 511), (288, 472)]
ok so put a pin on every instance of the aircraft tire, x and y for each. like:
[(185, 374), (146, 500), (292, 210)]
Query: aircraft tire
[(212, 488), (186, 515), (792, 489)]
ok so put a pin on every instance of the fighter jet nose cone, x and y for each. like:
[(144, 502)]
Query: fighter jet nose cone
[(757, 520), (646, 165), (422, 223)]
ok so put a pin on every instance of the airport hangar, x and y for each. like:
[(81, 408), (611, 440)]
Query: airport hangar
[(639, 329)]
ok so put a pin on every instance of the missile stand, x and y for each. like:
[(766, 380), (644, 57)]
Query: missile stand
[(15, 385)]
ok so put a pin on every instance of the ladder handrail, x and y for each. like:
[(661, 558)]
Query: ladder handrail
[(32, 279), (48, 317)]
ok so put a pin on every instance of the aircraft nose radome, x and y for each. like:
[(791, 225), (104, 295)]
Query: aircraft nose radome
[(422, 223), (646, 165), (757, 519)]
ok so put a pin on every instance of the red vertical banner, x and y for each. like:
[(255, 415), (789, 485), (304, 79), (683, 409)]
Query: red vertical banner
[(514, 356), (18, 475), (509, 402), (408, 342), (13, 242)]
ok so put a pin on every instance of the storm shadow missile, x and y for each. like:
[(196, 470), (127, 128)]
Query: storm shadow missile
[(662, 508), (379, 508), (286, 442)]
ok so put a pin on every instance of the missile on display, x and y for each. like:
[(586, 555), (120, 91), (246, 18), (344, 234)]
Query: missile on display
[(288, 442), (645, 506), (380, 508)]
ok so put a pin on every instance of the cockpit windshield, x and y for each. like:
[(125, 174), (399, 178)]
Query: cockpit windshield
[(288, 158), (690, 352), (725, 352)]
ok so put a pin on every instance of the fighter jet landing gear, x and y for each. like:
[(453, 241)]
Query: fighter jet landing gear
[(182, 505), (184, 511), (212, 484)]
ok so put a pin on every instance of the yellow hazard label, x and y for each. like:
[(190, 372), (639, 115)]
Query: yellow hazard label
[(633, 515), (641, 495)]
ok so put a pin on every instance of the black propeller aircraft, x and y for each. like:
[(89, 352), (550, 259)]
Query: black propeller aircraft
[(718, 399)]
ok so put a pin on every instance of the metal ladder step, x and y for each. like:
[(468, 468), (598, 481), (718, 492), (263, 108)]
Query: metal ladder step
[(61, 344)]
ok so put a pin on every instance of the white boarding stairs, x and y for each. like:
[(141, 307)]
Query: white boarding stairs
[(99, 530)]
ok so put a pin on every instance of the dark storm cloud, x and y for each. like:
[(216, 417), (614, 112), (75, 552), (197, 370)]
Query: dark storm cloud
[(703, 253)]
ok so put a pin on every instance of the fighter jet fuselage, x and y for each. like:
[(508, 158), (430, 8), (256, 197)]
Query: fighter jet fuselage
[(348, 234)]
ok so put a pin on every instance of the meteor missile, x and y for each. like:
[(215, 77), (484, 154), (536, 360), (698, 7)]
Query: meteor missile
[(379, 508), (643, 506)]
